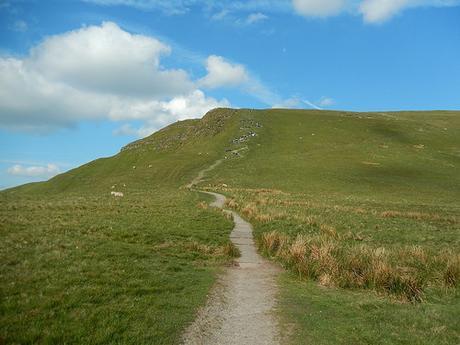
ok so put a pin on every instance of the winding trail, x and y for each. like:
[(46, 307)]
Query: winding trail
[(200, 175), (240, 307)]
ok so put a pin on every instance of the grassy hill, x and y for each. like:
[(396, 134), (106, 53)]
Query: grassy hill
[(366, 205), (81, 266), (334, 196)]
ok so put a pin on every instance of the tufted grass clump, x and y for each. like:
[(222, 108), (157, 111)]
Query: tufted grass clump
[(403, 273)]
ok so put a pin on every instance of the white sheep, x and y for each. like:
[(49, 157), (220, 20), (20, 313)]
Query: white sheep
[(116, 194)]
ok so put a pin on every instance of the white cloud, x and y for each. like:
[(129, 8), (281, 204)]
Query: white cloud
[(47, 171), (103, 72), (326, 102), (378, 11), (183, 6), (222, 73), (171, 7), (318, 8), (97, 72), (289, 103), (108, 59), (238, 18), (375, 11), (256, 17), (29, 100), (220, 15), (179, 108)]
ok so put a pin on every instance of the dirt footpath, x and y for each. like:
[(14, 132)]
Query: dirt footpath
[(240, 308)]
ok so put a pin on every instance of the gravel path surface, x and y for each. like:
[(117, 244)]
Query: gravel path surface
[(240, 307)]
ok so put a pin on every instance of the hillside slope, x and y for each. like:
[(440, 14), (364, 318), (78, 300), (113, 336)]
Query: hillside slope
[(170, 157), (80, 266), (351, 193), (312, 151), (366, 205), (410, 155)]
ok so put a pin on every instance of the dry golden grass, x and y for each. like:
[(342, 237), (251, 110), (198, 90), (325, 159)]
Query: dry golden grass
[(227, 214), (326, 259), (278, 198), (325, 280), (262, 201), (274, 241), (250, 210), (230, 250), (200, 247), (418, 253), (308, 204), (231, 203), (335, 259), (452, 271), (329, 230), (264, 218), (258, 191), (203, 205), (298, 249)]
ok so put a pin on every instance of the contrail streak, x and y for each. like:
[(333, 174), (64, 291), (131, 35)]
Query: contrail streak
[(307, 102)]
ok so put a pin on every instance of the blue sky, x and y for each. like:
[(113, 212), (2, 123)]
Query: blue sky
[(80, 79)]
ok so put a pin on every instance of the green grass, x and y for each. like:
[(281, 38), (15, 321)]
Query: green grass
[(327, 155), (352, 186), (317, 315), (79, 266), (95, 270)]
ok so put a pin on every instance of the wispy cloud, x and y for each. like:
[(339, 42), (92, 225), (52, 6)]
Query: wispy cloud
[(37, 163), (311, 104), (183, 6), (289, 103), (255, 18), (372, 11), (46, 171), (170, 7), (318, 8), (326, 101), (220, 15), (296, 103)]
